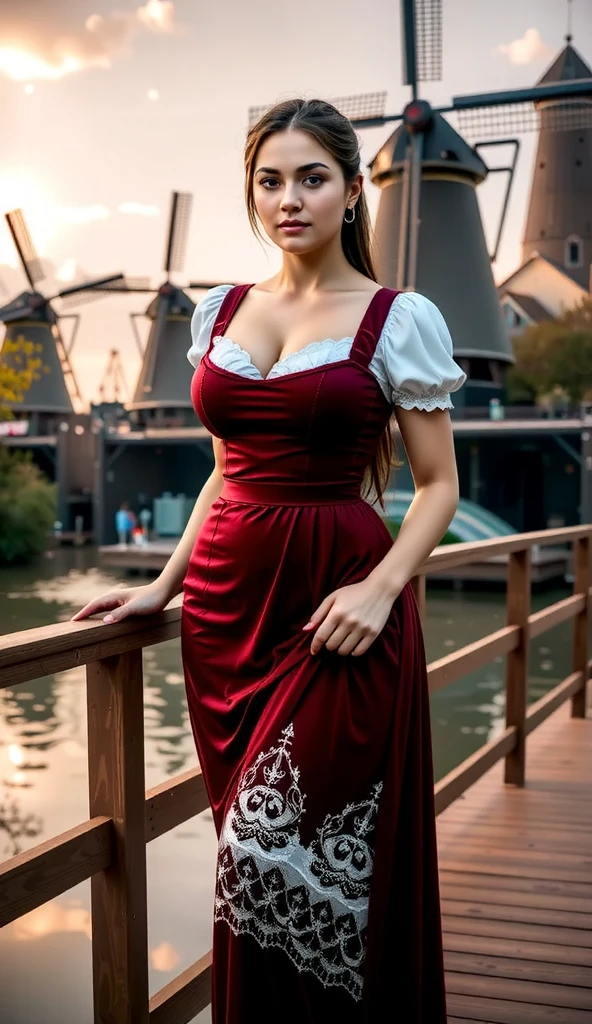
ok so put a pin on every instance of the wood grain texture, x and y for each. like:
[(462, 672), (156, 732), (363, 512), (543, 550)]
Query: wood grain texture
[(117, 789), (518, 612), (516, 886), (184, 997), (49, 869), (581, 585)]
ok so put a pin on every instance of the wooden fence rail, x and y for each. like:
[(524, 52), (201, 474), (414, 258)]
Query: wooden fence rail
[(110, 848)]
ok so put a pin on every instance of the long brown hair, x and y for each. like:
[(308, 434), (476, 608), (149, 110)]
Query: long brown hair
[(335, 133)]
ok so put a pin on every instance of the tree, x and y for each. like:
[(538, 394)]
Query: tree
[(27, 507), (555, 355), (20, 365), (27, 499)]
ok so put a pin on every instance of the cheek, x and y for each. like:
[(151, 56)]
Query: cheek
[(326, 205)]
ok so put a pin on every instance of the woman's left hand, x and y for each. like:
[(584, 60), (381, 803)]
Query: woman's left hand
[(351, 618)]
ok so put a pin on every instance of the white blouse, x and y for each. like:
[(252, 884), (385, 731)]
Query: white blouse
[(412, 361)]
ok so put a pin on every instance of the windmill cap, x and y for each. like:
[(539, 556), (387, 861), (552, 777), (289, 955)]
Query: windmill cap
[(568, 66), (443, 148)]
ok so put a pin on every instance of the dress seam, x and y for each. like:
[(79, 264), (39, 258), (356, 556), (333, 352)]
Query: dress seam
[(310, 423)]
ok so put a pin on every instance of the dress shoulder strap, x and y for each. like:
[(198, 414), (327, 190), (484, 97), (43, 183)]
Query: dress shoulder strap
[(370, 329), (227, 309)]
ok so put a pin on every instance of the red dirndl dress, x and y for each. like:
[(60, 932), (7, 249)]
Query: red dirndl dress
[(318, 768)]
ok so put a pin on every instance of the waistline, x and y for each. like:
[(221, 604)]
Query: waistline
[(298, 493)]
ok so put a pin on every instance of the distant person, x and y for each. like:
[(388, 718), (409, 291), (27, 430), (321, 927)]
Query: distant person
[(123, 524), (145, 520), (301, 640)]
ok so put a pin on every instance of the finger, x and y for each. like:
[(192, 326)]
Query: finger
[(339, 636), (323, 633), (119, 613), (363, 645), (318, 616), (100, 604), (350, 643)]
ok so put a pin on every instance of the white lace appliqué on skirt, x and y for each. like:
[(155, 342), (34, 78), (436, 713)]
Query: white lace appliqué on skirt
[(312, 901)]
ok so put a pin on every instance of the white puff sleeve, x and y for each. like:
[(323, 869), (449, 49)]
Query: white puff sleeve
[(202, 321), (413, 358)]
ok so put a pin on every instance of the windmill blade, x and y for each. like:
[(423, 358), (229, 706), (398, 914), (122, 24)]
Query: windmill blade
[(364, 109), (206, 285), (114, 279), (428, 40), (24, 246), (516, 110), (176, 246), (88, 292), (409, 45)]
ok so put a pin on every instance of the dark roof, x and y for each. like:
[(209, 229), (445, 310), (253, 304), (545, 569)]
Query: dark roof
[(566, 67), (502, 286), (531, 306), (443, 148)]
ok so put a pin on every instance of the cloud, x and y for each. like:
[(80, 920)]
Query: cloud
[(139, 209), (82, 214), (527, 50), (54, 54)]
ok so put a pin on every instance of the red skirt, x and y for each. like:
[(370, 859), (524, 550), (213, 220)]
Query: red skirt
[(318, 769)]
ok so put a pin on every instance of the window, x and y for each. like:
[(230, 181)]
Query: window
[(514, 321), (573, 251)]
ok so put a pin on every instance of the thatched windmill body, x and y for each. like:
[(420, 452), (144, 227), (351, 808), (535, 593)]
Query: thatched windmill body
[(161, 394), (55, 428), (30, 318)]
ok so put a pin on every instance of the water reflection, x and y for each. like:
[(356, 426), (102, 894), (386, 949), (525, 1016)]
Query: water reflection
[(16, 827)]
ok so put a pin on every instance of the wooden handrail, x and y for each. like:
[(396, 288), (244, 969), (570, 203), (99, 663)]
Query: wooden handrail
[(110, 848)]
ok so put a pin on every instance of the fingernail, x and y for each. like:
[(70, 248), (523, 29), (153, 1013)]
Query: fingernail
[(308, 625), (108, 618)]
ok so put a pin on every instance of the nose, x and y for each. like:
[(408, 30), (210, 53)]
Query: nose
[(290, 201)]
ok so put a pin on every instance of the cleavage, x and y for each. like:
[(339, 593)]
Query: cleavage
[(282, 359)]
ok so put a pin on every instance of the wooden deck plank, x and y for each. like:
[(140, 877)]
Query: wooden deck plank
[(526, 970), (516, 886), (506, 945)]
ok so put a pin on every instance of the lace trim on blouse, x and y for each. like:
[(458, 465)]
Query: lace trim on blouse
[(412, 362)]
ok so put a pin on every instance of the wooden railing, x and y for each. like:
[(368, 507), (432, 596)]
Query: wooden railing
[(110, 848)]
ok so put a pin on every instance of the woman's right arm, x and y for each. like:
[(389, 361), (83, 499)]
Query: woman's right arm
[(124, 601)]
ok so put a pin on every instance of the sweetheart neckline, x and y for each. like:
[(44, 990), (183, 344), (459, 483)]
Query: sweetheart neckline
[(279, 362)]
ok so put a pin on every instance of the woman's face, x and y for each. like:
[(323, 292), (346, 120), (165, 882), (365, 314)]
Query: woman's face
[(295, 178)]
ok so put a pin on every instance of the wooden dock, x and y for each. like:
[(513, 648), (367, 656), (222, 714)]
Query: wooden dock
[(516, 887), (515, 818)]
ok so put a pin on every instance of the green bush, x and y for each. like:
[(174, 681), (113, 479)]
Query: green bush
[(28, 506)]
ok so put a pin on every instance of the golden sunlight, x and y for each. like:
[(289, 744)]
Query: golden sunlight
[(20, 190), (21, 66)]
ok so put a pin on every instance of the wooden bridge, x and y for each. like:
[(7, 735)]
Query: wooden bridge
[(515, 819)]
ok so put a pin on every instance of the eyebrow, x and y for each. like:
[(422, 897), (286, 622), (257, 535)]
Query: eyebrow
[(299, 170)]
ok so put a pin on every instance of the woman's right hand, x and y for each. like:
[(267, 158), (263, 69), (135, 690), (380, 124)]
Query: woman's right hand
[(122, 602)]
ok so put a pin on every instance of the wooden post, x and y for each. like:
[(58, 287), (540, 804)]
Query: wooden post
[(581, 571), (419, 589), (117, 789), (518, 610)]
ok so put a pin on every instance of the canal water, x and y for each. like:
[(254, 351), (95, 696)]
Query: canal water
[(45, 957)]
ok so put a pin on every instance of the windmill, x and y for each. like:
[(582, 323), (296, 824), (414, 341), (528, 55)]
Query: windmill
[(162, 391), (428, 233), (113, 387), (31, 317)]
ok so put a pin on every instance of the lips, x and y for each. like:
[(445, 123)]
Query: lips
[(293, 224)]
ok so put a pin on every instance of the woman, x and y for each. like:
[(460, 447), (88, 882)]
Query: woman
[(301, 641)]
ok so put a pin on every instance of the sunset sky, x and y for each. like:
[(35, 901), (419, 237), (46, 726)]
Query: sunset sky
[(108, 106)]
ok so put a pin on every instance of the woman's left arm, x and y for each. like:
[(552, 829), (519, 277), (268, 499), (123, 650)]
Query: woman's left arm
[(429, 444), (349, 619)]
